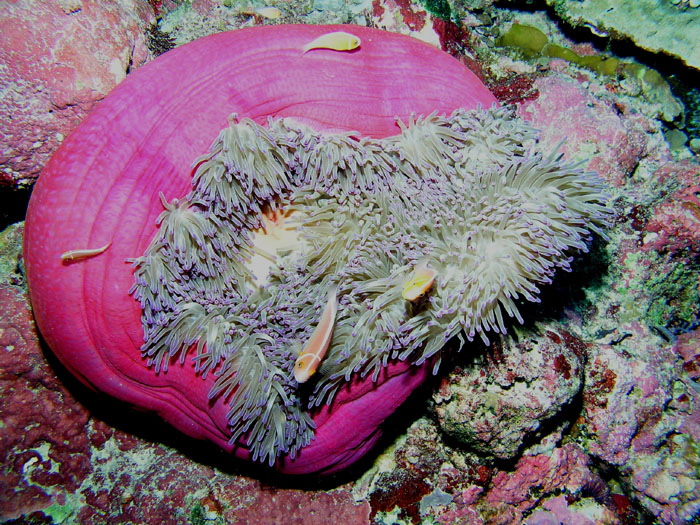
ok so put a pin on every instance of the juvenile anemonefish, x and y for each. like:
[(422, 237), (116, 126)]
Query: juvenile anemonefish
[(76, 255), (271, 13), (317, 345), (420, 282), (337, 41)]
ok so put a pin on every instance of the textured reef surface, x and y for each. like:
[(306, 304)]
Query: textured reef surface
[(667, 26), (586, 413)]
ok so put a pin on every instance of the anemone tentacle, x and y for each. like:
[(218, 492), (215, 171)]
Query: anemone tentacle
[(469, 193)]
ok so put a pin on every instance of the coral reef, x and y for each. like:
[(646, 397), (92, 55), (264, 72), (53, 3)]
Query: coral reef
[(613, 144), (622, 450), (124, 161), (498, 407), (656, 26), (623, 426)]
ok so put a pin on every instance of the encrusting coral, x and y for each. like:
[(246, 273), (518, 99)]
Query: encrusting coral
[(241, 268)]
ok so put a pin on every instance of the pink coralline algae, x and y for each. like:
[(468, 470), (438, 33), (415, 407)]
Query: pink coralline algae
[(59, 59), (589, 128), (42, 448), (674, 224), (566, 468), (625, 425), (503, 402), (557, 510)]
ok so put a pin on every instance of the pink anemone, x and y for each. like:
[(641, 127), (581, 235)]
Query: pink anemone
[(102, 186)]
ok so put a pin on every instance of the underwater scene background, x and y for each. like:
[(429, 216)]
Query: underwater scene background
[(580, 405)]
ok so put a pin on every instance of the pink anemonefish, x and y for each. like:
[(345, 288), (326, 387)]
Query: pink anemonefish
[(311, 356)]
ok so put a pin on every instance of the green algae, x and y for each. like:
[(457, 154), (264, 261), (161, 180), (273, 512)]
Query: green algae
[(598, 63), (438, 8), (529, 40), (11, 255), (60, 513), (675, 299), (532, 42), (655, 88), (665, 298), (198, 515), (557, 51), (689, 95), (201, 515)]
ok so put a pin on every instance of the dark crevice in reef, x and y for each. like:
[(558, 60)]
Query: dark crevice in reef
[(683, 79), (616, 495), (466, 358), (14, 205), (565, 418), (157, 41), (568, 289)]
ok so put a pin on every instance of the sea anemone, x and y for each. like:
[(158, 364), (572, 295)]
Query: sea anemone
[(467, 195), (379, 190)]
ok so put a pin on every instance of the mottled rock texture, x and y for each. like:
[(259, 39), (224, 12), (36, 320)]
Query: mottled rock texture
[(56, 60), (587, 127), (496, 405), (659, 27), (641, 416)]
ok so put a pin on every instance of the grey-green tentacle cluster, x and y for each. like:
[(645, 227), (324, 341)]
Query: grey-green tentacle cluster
[(468, 192)]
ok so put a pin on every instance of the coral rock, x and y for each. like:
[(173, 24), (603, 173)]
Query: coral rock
[(674, 224), (640, 418), (589, 128), (658, 27), (498, 406), (514, 493), (44, 448), (59, 59)]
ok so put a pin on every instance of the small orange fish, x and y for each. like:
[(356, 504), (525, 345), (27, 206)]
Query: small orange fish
[(317, 345), (337, 41), (420, 282)]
